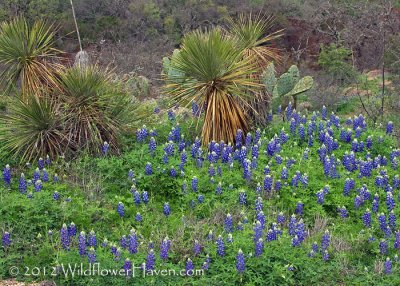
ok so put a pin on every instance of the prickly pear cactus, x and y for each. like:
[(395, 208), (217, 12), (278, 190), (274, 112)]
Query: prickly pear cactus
[(289, 84)]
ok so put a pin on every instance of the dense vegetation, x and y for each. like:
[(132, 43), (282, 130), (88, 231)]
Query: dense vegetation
[(230, 170), (317, 183)]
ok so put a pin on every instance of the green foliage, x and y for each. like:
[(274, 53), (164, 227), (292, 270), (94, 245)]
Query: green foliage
[(336, 60), (91, 188)]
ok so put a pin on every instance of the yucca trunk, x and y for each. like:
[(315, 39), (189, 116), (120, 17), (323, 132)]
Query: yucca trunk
[(224, 116)]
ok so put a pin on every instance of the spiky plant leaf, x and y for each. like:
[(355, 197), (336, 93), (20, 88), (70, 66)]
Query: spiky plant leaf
[(251, 34), (97, 110), (28, 56), (212, 72), (33, 128)]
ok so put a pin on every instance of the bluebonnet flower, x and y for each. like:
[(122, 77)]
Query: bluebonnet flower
[(92, 256), (45, 176), (152, 146), (389, 127), (38, 186), (242, 197), (72, 229), (121, 209), (6, 241), (171, 115), (92, 239), (218, 189), (240, 262), (278, 185), (283, 137), (22, 184), (397, 240), (314, 247), (196, 248), (138, 217), (280, 219), (299, 208), (383, 247), (258, 229), (375, 203), (55, 178), (325, 255), (248, 140), (320, 197), (292, 225), (164, 249), (211, 170), (148, 169), (284, 173), (348, 185), (7, 175), (301, 132), (145, 197), (390, 203), (260, 216), (325, 241), (210, 235), (167, 209), (358, 201), (392, 220), (127, 267), (229, 239), (82, 243), (64, 237), (239, 138), (150, 260), (123, 242), (189, 267), (220, 246), (324, 112), (268, 183), (56, 196), (343, 212), (172, 172), (259, 247), (200, 199), (388, 266), (382, 221), (194, 184), (133, 242), (41, 163), (105, 147), (367, 218), (195, 109), (136, 198), (228, 223), (289, 111), (295, 241), (259, 204)]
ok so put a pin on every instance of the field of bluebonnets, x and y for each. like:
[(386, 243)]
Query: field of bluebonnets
[(306, 200)]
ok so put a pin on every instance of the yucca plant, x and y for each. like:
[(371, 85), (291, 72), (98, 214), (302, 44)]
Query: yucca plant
[(210, 70), (252, 36), (96, 109), (33, 128), (27, 55)]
